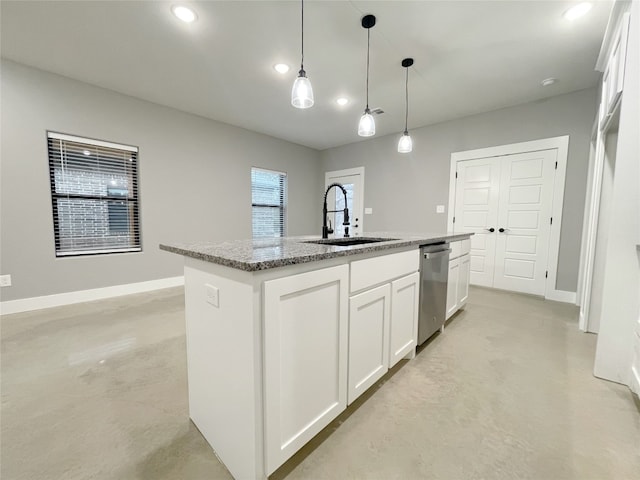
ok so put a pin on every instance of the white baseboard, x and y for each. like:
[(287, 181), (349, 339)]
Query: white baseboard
[(47, 301), (562, 296)]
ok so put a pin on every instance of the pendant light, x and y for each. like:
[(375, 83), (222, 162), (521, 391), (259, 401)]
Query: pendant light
[(405, 144), (367, 125), (302, 93)]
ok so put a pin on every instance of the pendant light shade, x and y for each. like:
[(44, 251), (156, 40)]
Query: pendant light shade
[(302, 93), (405, 144), (367, 125)]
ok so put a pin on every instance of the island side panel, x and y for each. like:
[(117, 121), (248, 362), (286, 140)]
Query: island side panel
[(224, 363)]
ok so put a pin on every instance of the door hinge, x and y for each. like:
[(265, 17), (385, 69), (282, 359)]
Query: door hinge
[(556, 165), (551, 221), (456, 174), (454, 219), (546, 274)]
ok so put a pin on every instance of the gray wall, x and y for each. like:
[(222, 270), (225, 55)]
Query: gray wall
[(404, 189), (194, 181)]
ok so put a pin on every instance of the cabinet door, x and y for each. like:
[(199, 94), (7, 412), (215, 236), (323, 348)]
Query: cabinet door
[(368, 338), (463, 281), (405, 296), (452, 287), (305, 325)]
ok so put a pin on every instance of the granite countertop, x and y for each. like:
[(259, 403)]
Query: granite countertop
[(264, 254)]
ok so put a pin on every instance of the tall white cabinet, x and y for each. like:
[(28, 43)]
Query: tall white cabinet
[(618, 347)]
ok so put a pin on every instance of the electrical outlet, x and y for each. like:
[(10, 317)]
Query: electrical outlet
[(368, 211), (213, 295), (5, 280), (439, 208)]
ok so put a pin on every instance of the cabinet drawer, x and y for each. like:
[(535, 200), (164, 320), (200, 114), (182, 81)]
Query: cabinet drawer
[(459, 248), (455, 250), (374, 271), (465, 246)]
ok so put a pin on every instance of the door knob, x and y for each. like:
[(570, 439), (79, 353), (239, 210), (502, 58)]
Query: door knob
[(490, 229), (502, 230)]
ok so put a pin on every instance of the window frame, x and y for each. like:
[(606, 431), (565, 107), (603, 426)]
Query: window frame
[(133, 201), (282, 206)]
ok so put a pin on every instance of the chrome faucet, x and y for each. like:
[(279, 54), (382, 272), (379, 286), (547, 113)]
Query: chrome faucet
[(326, 230)]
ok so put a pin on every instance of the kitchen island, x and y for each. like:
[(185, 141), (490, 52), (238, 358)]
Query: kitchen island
[(283, 334)]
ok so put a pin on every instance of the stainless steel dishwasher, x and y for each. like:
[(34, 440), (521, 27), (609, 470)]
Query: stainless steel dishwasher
[(434, 272)]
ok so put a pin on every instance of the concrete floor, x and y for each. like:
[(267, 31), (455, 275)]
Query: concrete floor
[(98, 391)]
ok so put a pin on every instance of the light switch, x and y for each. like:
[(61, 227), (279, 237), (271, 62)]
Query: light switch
[(368, 211), (439, 208), (5, 280), (213, 295)]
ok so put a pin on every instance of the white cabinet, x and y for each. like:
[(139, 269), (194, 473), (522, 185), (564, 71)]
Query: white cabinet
[(369, 314), (452, 287), (458, 281), (284, 350), (463, 281), (305, 358), (405, 304), (383, 319)]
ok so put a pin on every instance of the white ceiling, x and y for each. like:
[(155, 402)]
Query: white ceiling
[(470, 57)]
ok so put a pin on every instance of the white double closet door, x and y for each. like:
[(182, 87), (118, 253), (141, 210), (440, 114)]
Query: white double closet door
[(507, 202)]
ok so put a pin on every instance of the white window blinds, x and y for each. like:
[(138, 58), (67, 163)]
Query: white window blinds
[(94, 194), (269, 203)]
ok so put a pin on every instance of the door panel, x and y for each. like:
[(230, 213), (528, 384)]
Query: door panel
[(353, 182), (513, 193), (476, 210), (524, 212)]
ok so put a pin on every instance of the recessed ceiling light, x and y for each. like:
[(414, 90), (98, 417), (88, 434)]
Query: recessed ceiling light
[(548, 81), (342, 101), (577, 11), (86, 152), (183, 13), (281, 68)]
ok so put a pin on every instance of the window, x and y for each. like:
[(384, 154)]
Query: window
[(94, 193), (268, 202)]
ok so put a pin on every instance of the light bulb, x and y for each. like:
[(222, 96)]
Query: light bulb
[(405, 144), (183, 13), (577, 11), (302, 93), (367, 125)]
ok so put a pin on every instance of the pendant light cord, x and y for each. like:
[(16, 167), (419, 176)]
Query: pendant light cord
[(368, 40), (406, 91), (302, 28)]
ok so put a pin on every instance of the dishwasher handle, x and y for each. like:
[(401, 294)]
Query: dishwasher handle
[(439, 253)]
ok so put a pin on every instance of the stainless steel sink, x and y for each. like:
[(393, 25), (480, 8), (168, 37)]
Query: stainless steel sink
[(348, 242)]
